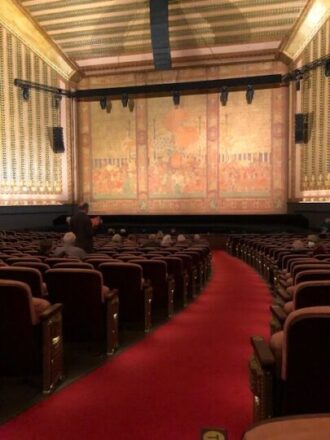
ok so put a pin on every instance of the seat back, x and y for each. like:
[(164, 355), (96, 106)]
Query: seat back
[(18, 347), (73, 265), (127, 278), (305, 361), (42, 267), (312, 275), (80, 291), (312, 293), (28, 275), (156, 272)]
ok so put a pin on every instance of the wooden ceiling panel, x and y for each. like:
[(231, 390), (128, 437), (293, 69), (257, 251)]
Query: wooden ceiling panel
[(119, 30)]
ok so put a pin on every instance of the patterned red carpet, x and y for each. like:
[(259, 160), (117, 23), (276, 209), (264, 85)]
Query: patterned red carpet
[(188, 374)]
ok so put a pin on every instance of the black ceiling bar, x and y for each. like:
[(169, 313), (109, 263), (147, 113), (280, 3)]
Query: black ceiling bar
[(154, 89), (198, 86), (32, 85)]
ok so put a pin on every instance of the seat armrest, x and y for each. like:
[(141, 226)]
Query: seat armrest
[(263, 353), (51, 311), (279, 313), (111, 295)]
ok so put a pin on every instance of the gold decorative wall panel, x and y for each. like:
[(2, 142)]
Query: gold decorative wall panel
[(196, 158), (30, 172), (315, 152)]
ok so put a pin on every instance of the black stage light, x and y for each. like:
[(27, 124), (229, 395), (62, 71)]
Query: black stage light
[(26, 93), (249, 94), (176, 98), (57, 100), (124, 100), (224, 92), (103, 103)]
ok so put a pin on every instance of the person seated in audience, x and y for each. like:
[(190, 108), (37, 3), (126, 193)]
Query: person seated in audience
[(116, 238), (196, 237), (181, 238), (123, 232), (45, 246), (318, 247), (325, 225), (166, 241), (159, 235), (151, 241), (298, 245), (130, 240), (69, 249)]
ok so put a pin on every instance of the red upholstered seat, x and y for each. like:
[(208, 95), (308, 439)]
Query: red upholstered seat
[(42, 267), (28, 275), (301, 383), (30, 335), (90, 309), (135, 294), (163, 286), (306, 427)]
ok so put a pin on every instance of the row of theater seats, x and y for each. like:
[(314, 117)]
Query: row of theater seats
[(113, 288), (290, 374)]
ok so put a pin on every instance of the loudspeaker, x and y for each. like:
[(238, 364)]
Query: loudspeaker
[(159, 34), (56, 139), (299, 128), (327, 68)]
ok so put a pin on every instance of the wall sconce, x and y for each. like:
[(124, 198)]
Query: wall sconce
[(249, 94), (25, 93), (103, 102), (176, 98), (224, 92), (124, 100), (57, 100)]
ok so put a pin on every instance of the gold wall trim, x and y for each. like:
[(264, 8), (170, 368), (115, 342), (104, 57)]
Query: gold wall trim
[(20, 24), (313, 17)]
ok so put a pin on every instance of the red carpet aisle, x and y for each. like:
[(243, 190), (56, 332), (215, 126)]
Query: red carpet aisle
[(189, 374)]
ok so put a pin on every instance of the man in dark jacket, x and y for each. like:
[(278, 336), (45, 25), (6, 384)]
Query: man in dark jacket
[(82, 227)]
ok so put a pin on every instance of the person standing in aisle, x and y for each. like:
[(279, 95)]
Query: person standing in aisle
[(83, 227)]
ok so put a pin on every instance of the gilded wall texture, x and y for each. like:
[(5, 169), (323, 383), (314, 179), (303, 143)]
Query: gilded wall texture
[(30, 171), (197, 157), (312, 169)]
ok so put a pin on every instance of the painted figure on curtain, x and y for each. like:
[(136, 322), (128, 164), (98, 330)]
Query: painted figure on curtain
[(114, 167), (177, 147), (245, 156)]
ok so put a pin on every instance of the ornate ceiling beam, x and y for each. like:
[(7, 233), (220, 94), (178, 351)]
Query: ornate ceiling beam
[(17, 21), (314, 15)]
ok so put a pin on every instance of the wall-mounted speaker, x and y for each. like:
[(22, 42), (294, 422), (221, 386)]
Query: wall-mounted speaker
[(56, 139), (299, 128)]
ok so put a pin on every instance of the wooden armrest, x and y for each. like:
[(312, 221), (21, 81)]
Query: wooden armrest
[(278, 312), (282, 293), (262, 352), (51, 311), (111, 295)]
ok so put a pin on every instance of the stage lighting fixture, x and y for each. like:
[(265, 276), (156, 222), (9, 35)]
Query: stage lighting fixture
[(57, 100), (26, 93), (249, 94), (103, 103), (327, 68), (124, 100), (131, 104), (224, 95), (176, 98)]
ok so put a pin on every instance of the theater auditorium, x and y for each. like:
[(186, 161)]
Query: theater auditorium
[(164, 219)]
